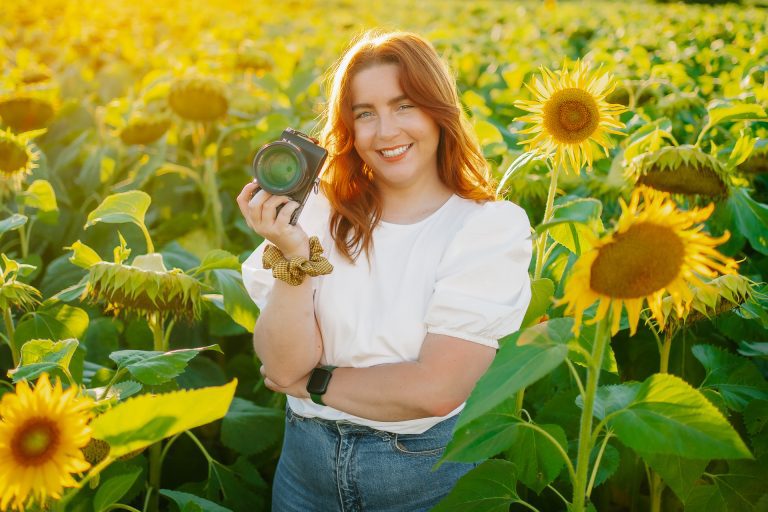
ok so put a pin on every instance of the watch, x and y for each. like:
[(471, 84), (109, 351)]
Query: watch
[(318, 381)]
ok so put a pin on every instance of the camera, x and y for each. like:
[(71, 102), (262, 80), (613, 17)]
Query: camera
[(290, 167)]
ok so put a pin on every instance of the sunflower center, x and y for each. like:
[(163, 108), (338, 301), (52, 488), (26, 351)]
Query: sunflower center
[(686, 179), (639, 262), (571, 115), (35, 441), (12, 157)]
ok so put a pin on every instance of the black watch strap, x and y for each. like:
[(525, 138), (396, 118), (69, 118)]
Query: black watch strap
[(318, 383)]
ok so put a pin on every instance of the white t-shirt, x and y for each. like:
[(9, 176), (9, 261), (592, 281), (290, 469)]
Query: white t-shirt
[(462, 271)]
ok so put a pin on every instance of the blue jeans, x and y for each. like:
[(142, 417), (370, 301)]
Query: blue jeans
[(329, 466)]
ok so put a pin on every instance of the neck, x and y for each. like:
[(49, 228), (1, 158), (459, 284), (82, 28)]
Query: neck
[(409, 205)]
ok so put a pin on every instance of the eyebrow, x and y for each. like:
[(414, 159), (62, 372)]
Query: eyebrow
[(390, 102)]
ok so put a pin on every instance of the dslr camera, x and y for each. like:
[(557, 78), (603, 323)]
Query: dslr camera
[(290, 167)]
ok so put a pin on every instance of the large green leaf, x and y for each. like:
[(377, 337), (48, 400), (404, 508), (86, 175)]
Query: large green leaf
[(52, 321), (13, 222), (751, 218), (581, 347), (143, 420), (537, 459), (721, 112), (737, 379), (243, 419), (489, 487), (574, 222), (485, 436), (581, 211), (38, 356), (218, 259), (524, 357), (184, 499), (679, 473), (236, 301), (120, 208), (241, 485), (155, 367), (666, 415), (111, 490), (542, 291)]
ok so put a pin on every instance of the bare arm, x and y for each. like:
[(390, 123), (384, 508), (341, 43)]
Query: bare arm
[(286, 337), (434, 385)]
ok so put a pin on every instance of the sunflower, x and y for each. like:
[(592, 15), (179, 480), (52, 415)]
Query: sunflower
[(16, 159), (144, 129), (655, 250), (146, 287), (42, 432), (570, 115), (198, 98), (681, 170), (24, 113)]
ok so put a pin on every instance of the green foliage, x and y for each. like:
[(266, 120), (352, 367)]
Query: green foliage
[(489, 487)]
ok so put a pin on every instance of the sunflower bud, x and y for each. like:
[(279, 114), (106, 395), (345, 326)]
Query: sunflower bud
[(198, 98), (25, 113), (144, 130)]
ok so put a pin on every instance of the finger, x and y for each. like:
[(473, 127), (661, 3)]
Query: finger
[(247, 193), (284, 217), (269, 210), (262, 371), (255, 206)]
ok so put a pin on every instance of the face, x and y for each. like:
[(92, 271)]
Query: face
[(393, 136)]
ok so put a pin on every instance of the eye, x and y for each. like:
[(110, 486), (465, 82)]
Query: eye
[(363, 114), (405, 106)]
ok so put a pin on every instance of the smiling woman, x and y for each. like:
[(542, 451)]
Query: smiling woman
[(378, 356)]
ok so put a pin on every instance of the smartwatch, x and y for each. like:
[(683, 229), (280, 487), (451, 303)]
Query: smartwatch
[(318, 381)]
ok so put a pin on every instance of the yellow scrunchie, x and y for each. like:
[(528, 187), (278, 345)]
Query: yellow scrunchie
[(293, 270)]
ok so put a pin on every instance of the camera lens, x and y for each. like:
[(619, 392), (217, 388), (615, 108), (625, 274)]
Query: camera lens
[(279, 168)]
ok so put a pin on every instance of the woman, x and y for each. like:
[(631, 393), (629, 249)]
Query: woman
[(429, 271)]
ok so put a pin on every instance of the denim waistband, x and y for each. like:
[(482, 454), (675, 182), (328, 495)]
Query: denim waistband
[(341, 426)]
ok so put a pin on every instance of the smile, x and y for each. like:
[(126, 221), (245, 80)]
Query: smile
[(392, 153)]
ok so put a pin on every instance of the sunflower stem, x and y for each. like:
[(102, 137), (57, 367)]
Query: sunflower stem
[(213, 201), (665, 349), (150, 245), (657, 490), (155, 451), (9, 331), (586, 443), (541, 243), (654, 481)]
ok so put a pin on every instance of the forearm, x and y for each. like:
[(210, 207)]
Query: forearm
[(286, 337), (392, 392)]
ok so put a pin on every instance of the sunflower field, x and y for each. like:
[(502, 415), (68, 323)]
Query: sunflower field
[(634, 134)]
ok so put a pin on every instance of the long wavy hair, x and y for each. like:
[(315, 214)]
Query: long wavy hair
[(426, 81)]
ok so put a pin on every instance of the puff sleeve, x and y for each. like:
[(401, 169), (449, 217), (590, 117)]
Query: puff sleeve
[(258, 281), (482, 287)]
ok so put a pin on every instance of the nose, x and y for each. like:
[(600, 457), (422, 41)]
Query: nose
[(388, 126)]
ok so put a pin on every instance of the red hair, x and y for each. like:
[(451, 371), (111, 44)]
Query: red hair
[(426, 81)]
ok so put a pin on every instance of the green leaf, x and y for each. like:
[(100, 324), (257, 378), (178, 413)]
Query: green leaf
[(13, 222), (724, 112), (519, 163), (240, 484), (667, 415), (218, 259), (581, 210), (524, 357), (751, 218), (706, 497), (40, 195), (53, 322), (489, 487), (146, 419), (537, 460), (120, 208), (638, 142), (155, 367), (183, 499), (243, 419), (679, 473), (753, 349), (38, 356), (542, 291), (110, 491), (237, 303), (609, 463), (737, 379), (83, 256), (485, 436), (581, 347)]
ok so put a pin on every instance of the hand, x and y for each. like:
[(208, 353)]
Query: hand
[(259, 208), (298, 389)]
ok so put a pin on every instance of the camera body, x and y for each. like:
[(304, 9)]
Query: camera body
[(290, 167)]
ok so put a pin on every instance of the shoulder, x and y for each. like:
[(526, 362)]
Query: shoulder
[(492, 217)]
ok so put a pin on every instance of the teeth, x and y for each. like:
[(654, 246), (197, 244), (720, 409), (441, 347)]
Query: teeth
[(391, 153)]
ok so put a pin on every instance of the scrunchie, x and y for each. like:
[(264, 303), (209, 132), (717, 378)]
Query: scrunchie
[(293, 270)]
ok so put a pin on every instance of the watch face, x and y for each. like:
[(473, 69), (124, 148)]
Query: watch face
[(318, 381)]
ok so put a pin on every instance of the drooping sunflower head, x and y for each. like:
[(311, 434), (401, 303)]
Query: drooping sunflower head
[(42, 431), (681, 170), (571, 118), (199, 98), (251, 57), (711, 298), (655, 250), (23, 113), (144, 129), (144, 288), (16, 160)]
